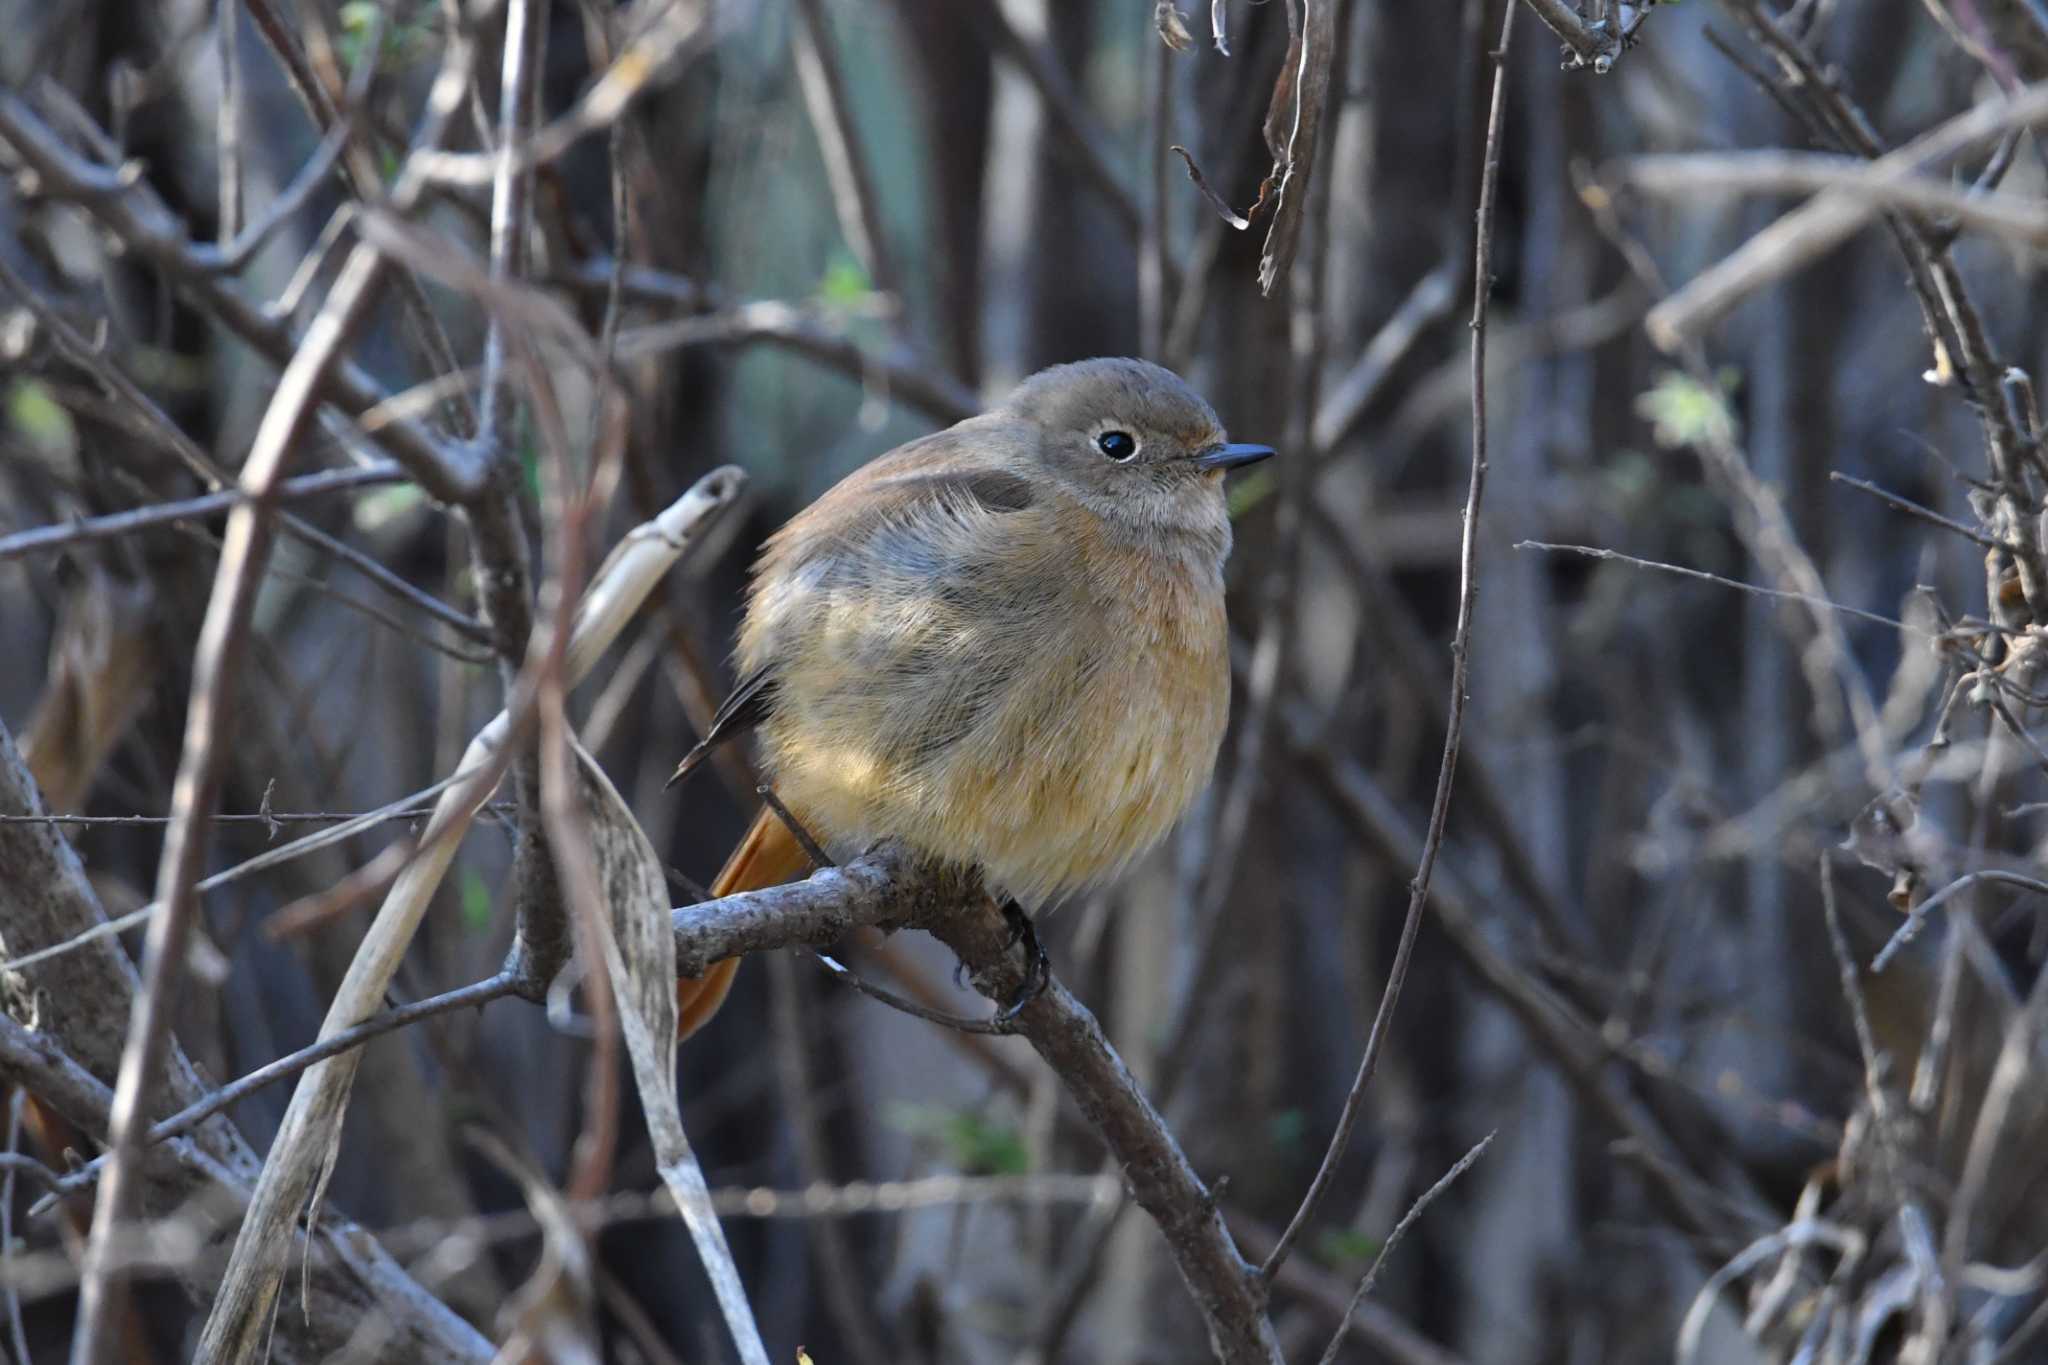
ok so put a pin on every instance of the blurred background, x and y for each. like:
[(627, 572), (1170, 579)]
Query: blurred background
[(851, 223)]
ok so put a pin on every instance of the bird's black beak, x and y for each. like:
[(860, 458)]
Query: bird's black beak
[(1231, 456)]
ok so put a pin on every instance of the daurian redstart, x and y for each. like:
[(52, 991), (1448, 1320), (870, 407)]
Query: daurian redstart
[(1002, 644)]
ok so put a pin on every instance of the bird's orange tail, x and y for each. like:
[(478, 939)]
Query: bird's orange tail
[(768, 856)]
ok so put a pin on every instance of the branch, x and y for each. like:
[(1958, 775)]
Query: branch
[(1594, 45), (1065, 110), (1805, 233), (1408, 1220), (499, 555), (887, 889), (883, 889), (2009, 214), (196, 790), (679, 24), (1461, 646), (128, 208), (1378, 824), (81, 530), (158, 426), (255, 1273), (799, 330), (477, 994), (1226, 1289), (80, 999)]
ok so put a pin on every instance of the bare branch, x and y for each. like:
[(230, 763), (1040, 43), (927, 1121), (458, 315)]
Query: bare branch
[(1065, 110), (1415, 1210), (158, 426), (2011, 215), (1066, 1035), (247, 550), (86, 529), (1587, 47), (1804, 234), (678, 26), (1461, 643), (126, 207), (1805, 599)]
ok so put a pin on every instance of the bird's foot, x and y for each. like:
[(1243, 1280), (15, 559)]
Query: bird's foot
[(1037, 965)]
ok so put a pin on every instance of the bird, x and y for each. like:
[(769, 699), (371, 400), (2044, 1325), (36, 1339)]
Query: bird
[(1002, 644)]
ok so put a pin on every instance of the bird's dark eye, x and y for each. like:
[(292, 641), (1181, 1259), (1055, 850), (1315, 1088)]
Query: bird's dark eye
[(1118, 445)]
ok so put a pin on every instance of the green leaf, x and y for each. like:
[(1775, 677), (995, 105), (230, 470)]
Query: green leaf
[(529, 459), (404, 41), (39, 419), (1249, 490), (1684, 412), (845, 284), (974, 1144), (1340, 1247), (476, 901), (1287, 1129), (381, 506)]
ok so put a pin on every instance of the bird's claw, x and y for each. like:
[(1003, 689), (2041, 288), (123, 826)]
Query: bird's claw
[(1037, 968)]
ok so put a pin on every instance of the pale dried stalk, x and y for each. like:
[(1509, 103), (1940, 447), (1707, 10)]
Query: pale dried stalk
[(237, 1327), (640, 955)]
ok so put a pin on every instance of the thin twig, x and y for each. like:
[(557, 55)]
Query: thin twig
[(1155, 246), (677, 27), (159, 426), (511, 191), (1802, 235), (17, 1330), (133, 213), (360, 819), (1415, 1211), (1917, 916), (996, 1026), (228, 117), (2014, 215), (1780, 594), (1165, 1185), (1065, 111), (838, 1266), (66, 534), (498, 548), (478, 993), (1926, 514), (1461, 641)]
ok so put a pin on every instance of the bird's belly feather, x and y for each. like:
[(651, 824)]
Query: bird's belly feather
[(1051, 767)]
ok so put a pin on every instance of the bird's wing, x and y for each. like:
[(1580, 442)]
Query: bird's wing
[(743, 710), (965, 468), (835, 540)]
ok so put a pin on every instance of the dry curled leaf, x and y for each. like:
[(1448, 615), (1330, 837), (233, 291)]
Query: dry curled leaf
[(1217, 201), (1173, 30), (1293, 120), (640, 955)]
